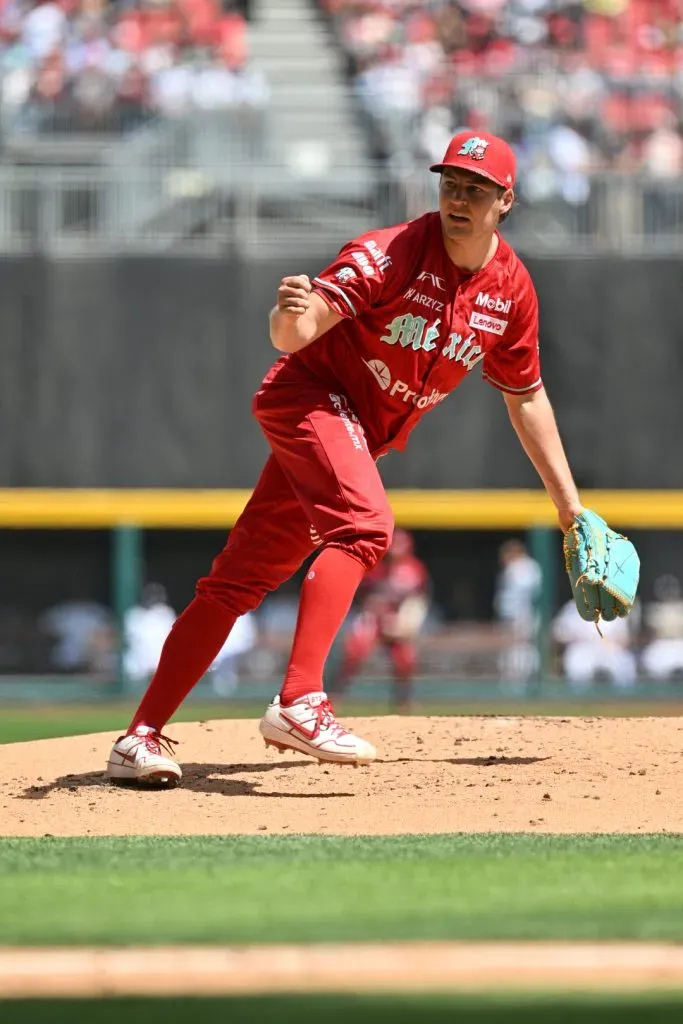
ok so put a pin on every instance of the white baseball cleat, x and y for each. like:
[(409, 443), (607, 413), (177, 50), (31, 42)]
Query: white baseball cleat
[(140, 758), (309, 725)]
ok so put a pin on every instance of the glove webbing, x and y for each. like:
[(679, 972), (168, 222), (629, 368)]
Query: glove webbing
[(592, 564)]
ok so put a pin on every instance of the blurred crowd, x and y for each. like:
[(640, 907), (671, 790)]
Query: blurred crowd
[(94, 65), (576, 85), (396, 630), (648, 644)]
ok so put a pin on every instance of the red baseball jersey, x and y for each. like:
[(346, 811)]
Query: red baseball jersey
[(415, 325)]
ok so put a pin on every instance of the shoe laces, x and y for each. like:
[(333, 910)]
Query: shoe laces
[(328, 720), (158, 744)]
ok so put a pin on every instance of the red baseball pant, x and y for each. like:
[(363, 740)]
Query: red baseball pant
[(319, 487)]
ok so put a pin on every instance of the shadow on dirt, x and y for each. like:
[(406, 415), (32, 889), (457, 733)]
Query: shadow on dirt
[(492, 761), (198, 778)]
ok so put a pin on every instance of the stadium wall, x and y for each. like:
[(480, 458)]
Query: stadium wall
[(139, 372)]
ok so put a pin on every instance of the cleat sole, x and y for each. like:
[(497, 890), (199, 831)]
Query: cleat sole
[(154, 782), (280, 740), (278, 746), (284, 748)]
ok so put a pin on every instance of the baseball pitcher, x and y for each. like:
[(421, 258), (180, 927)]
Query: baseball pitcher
[(373, 343)]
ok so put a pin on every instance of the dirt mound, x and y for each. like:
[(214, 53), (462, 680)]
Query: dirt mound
[(487, 774)]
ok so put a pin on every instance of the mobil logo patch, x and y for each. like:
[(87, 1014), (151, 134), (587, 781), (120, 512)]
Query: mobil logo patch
[(493, 304), (490, 324)]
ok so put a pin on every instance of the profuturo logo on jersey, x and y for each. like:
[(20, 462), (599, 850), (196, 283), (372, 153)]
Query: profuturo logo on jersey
[(494, 305), (380, 371)]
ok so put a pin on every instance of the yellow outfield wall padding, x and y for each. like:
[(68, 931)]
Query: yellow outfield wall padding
[(37, 508)]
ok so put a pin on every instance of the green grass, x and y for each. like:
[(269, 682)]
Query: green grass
[(340, 1009), (19, 723), (309, 889), (34, 722)]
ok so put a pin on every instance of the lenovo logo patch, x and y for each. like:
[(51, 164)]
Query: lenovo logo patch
[(491, 324)]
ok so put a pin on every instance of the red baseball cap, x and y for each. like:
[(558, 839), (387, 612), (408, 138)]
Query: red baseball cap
[(482, 154)]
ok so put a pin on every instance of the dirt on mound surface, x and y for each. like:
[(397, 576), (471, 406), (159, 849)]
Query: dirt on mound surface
[(484, 774)]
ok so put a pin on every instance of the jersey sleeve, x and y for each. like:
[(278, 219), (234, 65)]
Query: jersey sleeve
[(363, 271), (513, 365)]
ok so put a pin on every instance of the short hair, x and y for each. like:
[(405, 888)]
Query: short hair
[(504, 216)]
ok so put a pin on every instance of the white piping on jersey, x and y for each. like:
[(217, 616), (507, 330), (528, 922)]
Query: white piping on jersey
[(506, 387), (334, 287)]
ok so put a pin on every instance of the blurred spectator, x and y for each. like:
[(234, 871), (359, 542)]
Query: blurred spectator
[(224, 671), (42, 29), (570, 155), (663, 656), (84, 634), (147, 625), (515, 603), (393, 600), (663, 151), (579, 86), (278, 613), (587, 655), (145, 628), (86, 65)]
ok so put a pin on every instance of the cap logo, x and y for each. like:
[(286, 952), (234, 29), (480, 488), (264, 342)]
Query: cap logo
[(474, 147)]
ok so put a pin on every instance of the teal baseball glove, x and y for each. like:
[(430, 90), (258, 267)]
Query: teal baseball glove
[(603, 568)]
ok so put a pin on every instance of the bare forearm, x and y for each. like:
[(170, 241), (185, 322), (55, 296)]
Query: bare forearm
[(534, 422), (290, 333), (300, 316)]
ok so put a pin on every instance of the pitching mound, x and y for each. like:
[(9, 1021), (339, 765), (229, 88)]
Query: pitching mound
[(488, 774)]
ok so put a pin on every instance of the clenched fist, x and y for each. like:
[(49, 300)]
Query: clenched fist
[(293, 295)]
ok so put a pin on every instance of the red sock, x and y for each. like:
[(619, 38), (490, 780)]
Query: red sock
[(326, 597), (193, 643)]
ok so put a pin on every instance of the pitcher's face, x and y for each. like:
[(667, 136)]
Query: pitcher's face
[(470, 205)]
